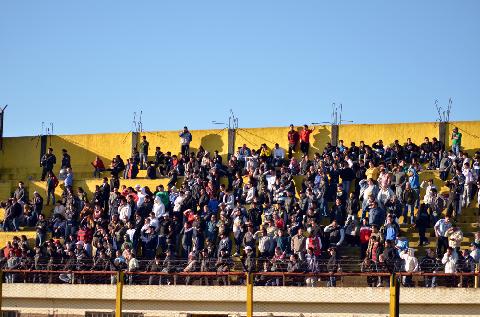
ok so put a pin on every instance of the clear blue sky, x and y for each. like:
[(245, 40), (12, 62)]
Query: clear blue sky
[(88, 65)]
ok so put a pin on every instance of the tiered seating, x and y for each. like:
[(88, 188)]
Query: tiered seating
[(468, 221)]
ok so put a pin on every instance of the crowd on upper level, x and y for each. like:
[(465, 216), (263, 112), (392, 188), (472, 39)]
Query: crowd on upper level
[(349, 197)]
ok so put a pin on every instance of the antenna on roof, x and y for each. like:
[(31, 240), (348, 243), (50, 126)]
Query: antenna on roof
[(134, 123), (140, 123), (336, 115), (443, 115)]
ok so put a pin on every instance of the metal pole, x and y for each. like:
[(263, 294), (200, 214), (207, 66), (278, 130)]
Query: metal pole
[(118, 298), (394, 296), (477, 269), (249, 294)]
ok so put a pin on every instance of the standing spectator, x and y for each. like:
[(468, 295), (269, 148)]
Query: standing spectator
[(410, 265), (185, 139), (98, 167), (436, 206), (376, 215), (390, 229), (13, 214), (455, 238), (441, 228), (409, 198), (47, 162), (66, 160), (293, 138), (333, 266), (365, 232), (21, 194), (305, 139), (470, 180), (456, 141), (422, 223), (41, 228), (414, 181), (52, 183), (444, 167), (143, 149), (450, 259), (298, 244), (429, 264)]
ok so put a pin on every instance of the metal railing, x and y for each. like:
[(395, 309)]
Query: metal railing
[(248, 279)]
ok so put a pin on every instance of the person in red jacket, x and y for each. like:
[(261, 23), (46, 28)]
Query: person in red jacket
[(305, 139), (314, 243), (365, 233), (293, 138)]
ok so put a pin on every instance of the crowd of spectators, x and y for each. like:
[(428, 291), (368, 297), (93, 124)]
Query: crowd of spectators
[(258, 218)]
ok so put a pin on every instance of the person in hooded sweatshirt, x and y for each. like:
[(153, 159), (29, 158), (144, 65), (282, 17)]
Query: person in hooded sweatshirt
[(158, 207)]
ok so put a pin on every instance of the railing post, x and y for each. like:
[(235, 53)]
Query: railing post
[(249, 294), (394, 296), (477, 266), (118, 298)]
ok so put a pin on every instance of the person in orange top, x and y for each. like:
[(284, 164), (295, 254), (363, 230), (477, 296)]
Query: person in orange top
[(305, 139)]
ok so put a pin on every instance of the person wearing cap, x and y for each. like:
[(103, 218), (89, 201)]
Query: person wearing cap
[(248, 261), (185, 139), (293, 138)]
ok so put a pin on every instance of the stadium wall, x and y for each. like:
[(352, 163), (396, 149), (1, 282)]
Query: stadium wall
[(74, 300)]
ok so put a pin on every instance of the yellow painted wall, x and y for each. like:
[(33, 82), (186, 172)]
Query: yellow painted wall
[(470, 135), (84, 147), (388, 132), (20, 155), (211, 140), (254, 137)]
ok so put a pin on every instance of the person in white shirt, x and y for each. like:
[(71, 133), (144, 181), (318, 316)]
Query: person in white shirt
[(411, 265), (141, 195), (474, 252), (130, 231), (428, 185), (250, 193), (441, 228), (124, 211), (450, 259), (177, 204), (278, 155), (158, 207), (469, 182), (455, 238)]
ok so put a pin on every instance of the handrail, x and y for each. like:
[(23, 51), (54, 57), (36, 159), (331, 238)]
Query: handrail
[(238, 273)]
